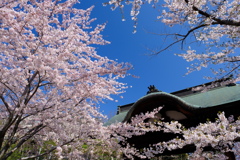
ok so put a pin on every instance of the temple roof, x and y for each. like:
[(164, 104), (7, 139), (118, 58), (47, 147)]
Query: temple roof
[(214, 97), (196, 100)]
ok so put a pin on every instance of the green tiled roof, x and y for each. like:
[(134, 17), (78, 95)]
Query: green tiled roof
[(117, 118), (213, 97)]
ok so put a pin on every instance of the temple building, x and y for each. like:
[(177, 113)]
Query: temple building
[(188, 106)]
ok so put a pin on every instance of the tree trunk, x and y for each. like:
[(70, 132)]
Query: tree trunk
[(230, 155)]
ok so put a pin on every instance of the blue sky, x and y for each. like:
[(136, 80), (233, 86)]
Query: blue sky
[(166, 71)]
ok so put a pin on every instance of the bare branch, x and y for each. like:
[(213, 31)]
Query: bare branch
[(182, 39)]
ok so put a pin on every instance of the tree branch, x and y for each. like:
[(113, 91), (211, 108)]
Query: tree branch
[(35, 90), (182, 39), (26, 137), (6, 104), (27, 88)]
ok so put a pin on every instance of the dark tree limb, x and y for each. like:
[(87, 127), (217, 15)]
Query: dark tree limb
[(217, 20), (182, 39), (23, 139)]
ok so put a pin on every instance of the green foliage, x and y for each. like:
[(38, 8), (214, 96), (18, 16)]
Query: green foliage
[(100, 151), (31, 148)]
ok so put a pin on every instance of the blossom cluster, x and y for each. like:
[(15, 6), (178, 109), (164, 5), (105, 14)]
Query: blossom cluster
[(220, 135)]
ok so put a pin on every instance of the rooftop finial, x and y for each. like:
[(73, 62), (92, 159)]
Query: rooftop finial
[(152, 89)]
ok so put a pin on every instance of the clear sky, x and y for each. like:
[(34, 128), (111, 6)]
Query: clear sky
[(166, 71)]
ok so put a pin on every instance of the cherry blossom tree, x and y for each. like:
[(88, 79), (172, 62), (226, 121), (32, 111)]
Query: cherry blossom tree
[(52, 79), (215, 24)]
